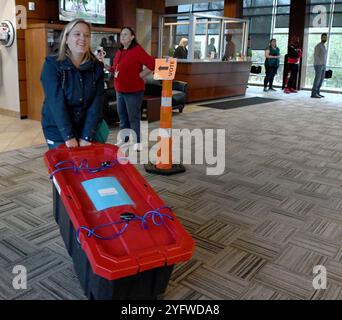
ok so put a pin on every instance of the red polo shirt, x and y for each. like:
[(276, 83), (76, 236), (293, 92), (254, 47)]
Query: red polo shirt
[(129, 63)]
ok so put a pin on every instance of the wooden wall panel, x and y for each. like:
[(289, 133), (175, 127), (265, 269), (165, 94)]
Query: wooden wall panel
[(215, 80), (45, 10), (296, 28), (121, 13), (22, 70), (23, 91), (233, 8), (220, 92), (212, 67)]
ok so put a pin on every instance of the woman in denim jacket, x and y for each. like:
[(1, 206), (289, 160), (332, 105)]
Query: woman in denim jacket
[(73, 83)]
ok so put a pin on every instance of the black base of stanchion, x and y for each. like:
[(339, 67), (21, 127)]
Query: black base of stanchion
[(176, 168)]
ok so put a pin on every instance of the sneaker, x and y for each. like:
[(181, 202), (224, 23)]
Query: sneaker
[(287, 90), (272, 89), (265, 89), (320, 95), (137, 147), (315, 96), (293, 90)]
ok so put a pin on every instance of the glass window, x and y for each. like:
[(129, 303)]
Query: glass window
[(337, 19), (257, 11), (262, 3), (213, 8), (200, 7), (335, 49), (284, 2), (219, 5), (268, 19), (282, 21), (184, 8), (333, 28)]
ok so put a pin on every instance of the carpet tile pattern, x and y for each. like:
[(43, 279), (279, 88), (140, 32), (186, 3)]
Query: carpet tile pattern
[(260, 227)]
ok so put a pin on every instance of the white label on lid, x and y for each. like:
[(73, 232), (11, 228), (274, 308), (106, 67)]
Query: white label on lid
[(107, 192)]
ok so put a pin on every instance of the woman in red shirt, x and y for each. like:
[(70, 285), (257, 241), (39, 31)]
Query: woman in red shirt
[(129, 82)]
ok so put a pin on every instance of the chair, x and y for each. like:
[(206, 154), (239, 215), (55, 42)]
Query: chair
[(110, 113), (179, 91)]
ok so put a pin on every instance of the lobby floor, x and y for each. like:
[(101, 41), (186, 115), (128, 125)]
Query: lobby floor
[(16, 133), (260, 227)]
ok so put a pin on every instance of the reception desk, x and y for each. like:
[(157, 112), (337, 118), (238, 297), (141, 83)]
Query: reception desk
[(214, 79)]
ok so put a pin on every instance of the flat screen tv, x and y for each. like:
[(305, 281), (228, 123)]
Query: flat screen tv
[(93, 11)]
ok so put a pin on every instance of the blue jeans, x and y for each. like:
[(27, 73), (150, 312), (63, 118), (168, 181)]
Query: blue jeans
[(319, 78), (129, 111)]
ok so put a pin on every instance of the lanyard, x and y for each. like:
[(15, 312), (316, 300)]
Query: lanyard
[(120, 58)]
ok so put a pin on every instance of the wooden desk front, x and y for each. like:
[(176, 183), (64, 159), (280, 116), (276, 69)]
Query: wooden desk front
[(212, 80)]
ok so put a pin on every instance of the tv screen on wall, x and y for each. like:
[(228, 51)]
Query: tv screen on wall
[(93, 11)]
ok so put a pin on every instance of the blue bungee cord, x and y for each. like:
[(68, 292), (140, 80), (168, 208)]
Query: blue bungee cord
[(85, 166), (126, 218)]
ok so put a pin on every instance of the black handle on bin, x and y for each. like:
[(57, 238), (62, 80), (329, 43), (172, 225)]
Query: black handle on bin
[(127, 216)]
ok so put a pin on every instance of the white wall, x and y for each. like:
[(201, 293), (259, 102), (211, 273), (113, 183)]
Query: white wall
[(9, 86)]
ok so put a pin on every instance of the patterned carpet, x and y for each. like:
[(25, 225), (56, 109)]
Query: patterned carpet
[(259, 228)]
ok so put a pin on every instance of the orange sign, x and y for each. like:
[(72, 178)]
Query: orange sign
[(165, 69)]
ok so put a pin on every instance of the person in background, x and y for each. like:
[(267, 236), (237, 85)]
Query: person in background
[(249, 49), (212, 48), (294, 53), (111, 41), (73, 83), (181, 51), (230, 48), (104, 43), (320, 61), (129, 82), (272, 55), (111, 49)]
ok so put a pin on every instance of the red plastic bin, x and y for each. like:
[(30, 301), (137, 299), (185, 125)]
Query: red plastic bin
[(137, 249)]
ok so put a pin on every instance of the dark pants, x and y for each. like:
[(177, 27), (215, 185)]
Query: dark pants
[(270, 74), (129, 111), (293, 68)]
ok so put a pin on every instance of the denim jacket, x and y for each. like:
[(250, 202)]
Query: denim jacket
[(73, 99)]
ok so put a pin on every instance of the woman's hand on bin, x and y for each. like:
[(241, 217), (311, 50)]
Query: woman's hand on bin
[(72, 143), (84, 143)]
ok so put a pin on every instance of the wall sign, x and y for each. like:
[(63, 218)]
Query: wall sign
[(7, 33)]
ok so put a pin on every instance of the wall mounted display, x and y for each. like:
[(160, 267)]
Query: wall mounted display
[(93, 11), (7, 33)]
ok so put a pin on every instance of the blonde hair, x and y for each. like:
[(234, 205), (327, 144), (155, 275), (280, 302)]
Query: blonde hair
[(181, 42), (64, 51)]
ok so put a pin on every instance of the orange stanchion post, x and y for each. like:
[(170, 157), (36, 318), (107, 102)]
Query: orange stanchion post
[(164, 163), (164, 153)]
